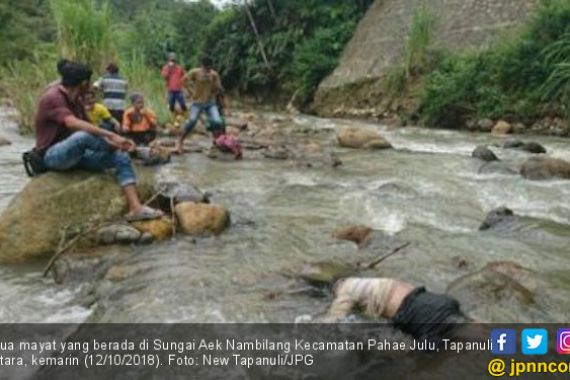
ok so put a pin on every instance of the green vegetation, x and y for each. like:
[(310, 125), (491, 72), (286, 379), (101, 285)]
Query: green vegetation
[(260, 47), (521, 78), (419, 56)]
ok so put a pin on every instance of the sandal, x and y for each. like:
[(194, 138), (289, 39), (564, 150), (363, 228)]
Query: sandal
[(146, 213)]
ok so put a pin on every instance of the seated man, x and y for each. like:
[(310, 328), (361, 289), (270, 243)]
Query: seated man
[(67, 140), (413, 310), (139, 122)]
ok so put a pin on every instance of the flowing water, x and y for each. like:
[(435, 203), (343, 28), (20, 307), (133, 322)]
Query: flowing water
[(426, 191)]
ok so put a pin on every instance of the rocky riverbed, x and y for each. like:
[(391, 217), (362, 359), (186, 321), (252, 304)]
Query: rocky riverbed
[(301, 179)]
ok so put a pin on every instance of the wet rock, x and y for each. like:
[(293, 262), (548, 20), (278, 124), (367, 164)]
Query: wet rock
[(502, 128), (73, 270), (543, 168), (146, 238), (202, 219), (489, 286), (4, 141), (118, 233), (485, 125), (496, 217), (159, 229), (360, 138), (513, 144), (277, 153), (358, 234), (178, 192), (533, 147), (517, 272), (498, 167), (484, 153), (519, 128), (32, 224)]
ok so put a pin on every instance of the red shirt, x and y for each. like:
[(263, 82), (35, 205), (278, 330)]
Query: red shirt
[(173, 76), (53, 107)]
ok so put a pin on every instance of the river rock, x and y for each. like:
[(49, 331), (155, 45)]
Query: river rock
[(485, 125), (484, 153), (533, 147), (543, 168), (158, 229), (497, 216), (32, 224), (357, 234), (4, 141), (202, 219), (513, 144), (489, 286), (360, 138), (176, 192), (118, 233), (502, 128), (323, 273)]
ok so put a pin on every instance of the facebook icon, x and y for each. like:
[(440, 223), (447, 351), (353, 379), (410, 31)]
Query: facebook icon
[(504, 342)]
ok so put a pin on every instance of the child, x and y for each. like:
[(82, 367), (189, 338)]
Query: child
[(139, 123), (99, 115)]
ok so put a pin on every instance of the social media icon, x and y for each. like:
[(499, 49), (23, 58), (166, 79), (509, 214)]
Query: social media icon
[(563, 341), (504, 342), (534, 341)]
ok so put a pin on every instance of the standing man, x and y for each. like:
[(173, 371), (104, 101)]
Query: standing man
[(114, 88), (67, 140), (205, 84), (174, 74)]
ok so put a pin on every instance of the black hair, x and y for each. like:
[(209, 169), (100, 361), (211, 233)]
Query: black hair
[(73, 74), (60, 65), (207, 61), (113, 68)]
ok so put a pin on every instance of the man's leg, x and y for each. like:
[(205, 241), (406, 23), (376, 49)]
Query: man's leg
[(181, 101), (195, 111), (171, 101), (68, 153), (214, 118), (99, 161)]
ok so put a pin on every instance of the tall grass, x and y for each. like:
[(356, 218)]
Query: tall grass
[(147, 81), (419, 40), (23, 83), (84, 31)]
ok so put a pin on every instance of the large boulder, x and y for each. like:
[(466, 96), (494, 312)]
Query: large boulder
[(54, 203), (202, 219), (484, 153), (502, 128), (533, 147), (543, 168), (361, 138)]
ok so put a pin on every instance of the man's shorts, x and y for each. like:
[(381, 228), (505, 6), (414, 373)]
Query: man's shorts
[(426, 315)]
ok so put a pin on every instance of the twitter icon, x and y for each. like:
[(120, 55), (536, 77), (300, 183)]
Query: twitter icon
[(534, 341)]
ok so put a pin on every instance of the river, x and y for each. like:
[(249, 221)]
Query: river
[(427, 191)]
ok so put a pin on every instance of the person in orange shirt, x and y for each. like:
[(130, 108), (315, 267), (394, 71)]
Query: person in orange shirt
[(139, 123)]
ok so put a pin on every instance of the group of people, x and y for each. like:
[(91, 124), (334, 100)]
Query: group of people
[(74, 130)]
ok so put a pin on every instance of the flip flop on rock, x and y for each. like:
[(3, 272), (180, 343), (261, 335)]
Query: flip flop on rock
[(146, 213)]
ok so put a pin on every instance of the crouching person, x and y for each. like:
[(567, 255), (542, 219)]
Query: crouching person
[(139, 122), (413, 310), (67, 140)]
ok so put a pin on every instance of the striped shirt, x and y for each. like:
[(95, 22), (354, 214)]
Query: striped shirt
[(114, 89)]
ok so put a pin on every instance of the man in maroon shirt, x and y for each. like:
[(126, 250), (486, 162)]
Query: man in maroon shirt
[(67, 140)]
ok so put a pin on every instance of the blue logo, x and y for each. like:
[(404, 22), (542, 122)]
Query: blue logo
[(534, 341), (504, 342)]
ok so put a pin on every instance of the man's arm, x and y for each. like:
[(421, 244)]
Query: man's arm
[(113, 139), (341, 306), (165, 72)]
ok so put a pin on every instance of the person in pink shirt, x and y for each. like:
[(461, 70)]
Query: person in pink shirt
[(174, 74)]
